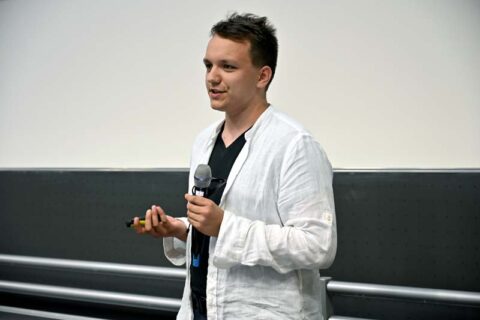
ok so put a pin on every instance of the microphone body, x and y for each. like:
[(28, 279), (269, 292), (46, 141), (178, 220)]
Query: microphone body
[(201, 180)]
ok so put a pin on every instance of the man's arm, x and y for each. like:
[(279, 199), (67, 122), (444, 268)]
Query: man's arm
[(307, 239)]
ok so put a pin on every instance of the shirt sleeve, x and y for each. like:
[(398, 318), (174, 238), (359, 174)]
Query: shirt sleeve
[(307, 239), (175, 249)]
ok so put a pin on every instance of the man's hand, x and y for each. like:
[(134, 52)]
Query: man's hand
[(204, 215), (158, 224)]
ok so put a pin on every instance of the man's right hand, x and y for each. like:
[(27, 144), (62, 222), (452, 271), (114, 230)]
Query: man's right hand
[(158, 224)]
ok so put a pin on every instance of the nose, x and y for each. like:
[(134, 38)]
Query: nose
[(213, 76)]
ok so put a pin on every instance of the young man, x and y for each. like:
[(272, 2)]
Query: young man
[(258, 242)]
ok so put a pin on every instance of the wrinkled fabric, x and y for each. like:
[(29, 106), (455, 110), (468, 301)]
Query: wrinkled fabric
[(278, 229)]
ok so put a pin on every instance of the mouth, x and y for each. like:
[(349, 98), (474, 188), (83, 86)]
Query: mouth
[(215, 91)]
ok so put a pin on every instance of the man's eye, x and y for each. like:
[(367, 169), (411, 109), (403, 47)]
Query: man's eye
[(228, 67), (208, 66)]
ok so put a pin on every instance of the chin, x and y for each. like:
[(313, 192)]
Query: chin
[(217, 107)]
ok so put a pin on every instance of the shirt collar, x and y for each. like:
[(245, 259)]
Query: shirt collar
[(259, 123), (250, 133)]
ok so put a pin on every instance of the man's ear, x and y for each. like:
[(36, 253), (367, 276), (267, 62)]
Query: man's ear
[(264, 77)]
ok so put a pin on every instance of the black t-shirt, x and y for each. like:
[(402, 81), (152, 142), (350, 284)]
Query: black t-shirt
[(221, 162)]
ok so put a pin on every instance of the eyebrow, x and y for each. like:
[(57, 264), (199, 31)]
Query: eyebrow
[(223, 61)]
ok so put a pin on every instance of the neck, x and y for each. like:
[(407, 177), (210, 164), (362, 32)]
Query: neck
[(238, 123)]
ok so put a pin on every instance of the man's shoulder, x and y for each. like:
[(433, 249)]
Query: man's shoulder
[(283, 126), (287, 121), (289, 136)]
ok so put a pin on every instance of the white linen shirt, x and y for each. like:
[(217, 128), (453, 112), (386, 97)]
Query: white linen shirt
[(278, 229)]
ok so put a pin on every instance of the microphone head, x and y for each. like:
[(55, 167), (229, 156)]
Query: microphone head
[(202, 176)]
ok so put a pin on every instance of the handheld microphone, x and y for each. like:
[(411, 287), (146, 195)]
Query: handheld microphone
[(201, 180)]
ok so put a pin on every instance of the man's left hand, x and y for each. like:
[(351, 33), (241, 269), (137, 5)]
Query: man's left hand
[(204, 215)]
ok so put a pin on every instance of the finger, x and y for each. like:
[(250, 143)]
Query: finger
[(148, 220), (196, 199), (137, 226), (162, 215), (194, 208), (194, 217), (192, 222), (136, 221), (154, 216)]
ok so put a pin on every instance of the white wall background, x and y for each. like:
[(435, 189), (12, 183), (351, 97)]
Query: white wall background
[(108, 83)]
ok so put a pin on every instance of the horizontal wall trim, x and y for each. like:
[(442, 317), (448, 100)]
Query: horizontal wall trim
[(96, 267), (62, 316), (98, 169), (346, 318), (437, 295), (91, 296), (373, 170), (44, 314), (411, 170)]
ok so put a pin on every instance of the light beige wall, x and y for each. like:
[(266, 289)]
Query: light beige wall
[(381, 84)]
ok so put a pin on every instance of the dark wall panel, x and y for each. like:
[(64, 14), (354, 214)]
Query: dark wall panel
[(410, 229), (419, 229), (81, 214)]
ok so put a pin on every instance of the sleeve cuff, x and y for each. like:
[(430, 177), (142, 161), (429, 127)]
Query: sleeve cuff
[(175, 249)]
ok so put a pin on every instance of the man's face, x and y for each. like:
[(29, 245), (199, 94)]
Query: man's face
[(231, 78)]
